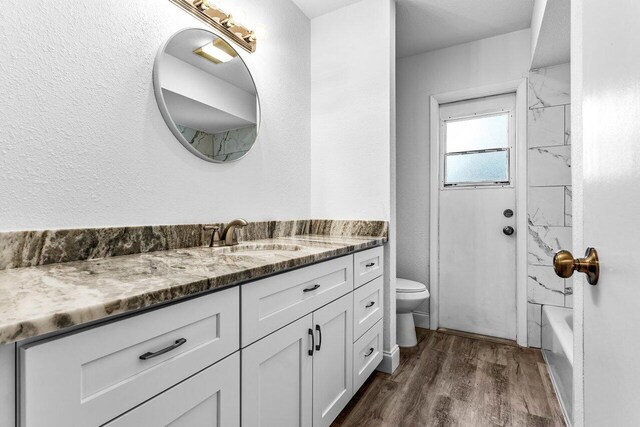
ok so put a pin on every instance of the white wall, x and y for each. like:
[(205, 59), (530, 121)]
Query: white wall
[(83, 142), (351, 62), (353, 128), (537, 14), (493, 60)]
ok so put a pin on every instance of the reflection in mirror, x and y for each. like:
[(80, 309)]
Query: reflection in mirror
[(207, 95)]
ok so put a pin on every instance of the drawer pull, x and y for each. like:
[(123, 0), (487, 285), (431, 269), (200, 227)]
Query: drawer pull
[(319, 345), (371, 304), (173, 346), (369, 353), (371, 264), (312, 288), (313, 341)]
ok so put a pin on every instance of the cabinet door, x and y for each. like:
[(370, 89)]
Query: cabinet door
[(7, 384), (276, 378), (332, 360), (209, 398)]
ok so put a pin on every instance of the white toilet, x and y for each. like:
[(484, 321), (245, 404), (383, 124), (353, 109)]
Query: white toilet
[(409, 295)]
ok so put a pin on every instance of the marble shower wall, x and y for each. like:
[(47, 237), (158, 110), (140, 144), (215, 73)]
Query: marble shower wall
[(549, 181), (223, 146)]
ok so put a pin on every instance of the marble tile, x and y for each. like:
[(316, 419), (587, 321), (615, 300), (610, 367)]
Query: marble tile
[(567, 125), (546, 127), (237, 140), (544, 286), (568, 292), (550, 166), (544, 242), (568, 206), (546, 206), (550, 86), (534, 325)]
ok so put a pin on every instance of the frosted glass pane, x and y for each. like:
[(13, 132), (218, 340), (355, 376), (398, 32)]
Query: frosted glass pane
[(478, 133), (477, 167)]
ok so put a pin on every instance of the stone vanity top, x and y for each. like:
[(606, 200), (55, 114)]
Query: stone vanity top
[(47, 298)]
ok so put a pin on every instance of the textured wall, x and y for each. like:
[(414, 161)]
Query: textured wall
[(351, 112), (493, 60), (83, 142)]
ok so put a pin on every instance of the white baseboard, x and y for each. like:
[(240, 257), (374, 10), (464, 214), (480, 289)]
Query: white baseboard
[(421, 320), (390, 361)]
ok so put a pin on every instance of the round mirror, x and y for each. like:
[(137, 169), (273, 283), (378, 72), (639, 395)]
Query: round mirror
[(207, 95)]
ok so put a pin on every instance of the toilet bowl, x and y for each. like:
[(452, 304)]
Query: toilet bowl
[(409, 295)]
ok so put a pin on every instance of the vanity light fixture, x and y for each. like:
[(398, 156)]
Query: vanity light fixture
[(223, 22), (217, 51)]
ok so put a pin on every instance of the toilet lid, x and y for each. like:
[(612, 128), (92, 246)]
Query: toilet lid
[(404, 285)]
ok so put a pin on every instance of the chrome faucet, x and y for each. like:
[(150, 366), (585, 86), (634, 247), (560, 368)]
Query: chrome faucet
[(229, 233)]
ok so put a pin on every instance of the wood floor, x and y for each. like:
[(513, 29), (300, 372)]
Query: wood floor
[(451, 380)]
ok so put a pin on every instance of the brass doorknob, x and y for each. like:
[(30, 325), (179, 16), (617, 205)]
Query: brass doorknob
[(564, 265)]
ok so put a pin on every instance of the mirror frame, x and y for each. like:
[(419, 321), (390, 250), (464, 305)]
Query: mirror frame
[(162, 105)]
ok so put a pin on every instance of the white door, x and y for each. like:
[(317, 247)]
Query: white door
[(332, 360), (606, 86), (477, 255), (277, 378), (208, 399)]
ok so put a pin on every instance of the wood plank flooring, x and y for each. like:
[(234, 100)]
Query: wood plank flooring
[(452, 380)]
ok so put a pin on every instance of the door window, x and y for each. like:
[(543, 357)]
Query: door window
[(477, 150)]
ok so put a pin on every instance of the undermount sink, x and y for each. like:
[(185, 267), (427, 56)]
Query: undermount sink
[(256, 248)]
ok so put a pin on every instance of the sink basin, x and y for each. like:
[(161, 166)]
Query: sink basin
[(256, 249)]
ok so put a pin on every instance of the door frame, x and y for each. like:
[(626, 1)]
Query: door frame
[(519, 87)]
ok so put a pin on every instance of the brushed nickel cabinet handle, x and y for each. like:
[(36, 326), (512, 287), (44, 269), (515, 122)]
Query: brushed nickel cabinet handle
[(151, 355), (312, 288)]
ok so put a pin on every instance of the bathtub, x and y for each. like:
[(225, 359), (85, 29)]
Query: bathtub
[(557, 347)]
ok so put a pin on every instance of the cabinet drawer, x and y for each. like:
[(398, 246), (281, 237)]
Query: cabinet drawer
[(367, 355), (93, 376), (368, 265), (367, 306), (269, 304), (210, 398)]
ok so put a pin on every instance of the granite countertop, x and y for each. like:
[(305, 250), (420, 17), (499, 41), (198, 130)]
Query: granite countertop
[(38, 300)]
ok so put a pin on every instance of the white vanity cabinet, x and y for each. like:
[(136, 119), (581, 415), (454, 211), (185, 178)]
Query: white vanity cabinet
[(287, 350), (305, 372), (301, 375)]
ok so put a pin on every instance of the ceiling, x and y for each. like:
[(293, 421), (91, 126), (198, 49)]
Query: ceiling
[(425, 25), (314, 8)]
